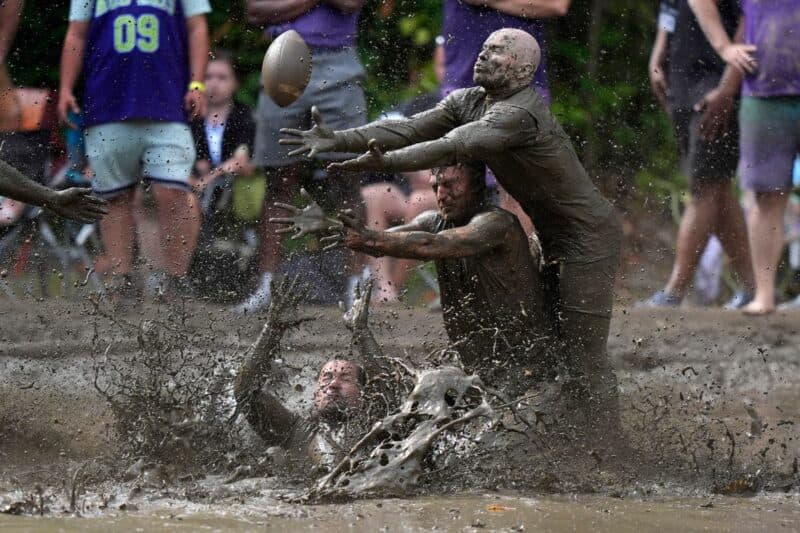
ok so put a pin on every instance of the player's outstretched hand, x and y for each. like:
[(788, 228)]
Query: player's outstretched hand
[(349, 232), (357, 316), (372, 160), (286, 296), (309, 220), (78, 204), (318, 139)]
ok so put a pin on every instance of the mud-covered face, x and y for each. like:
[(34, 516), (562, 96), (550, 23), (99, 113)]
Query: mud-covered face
[(220, 81), (337, 388), (496, 65), (453, 194)]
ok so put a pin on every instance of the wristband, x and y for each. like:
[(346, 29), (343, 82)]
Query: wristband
[(197, 86)]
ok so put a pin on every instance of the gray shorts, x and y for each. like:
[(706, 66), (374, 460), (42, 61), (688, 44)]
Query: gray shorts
[(335, 88), (122, 154)]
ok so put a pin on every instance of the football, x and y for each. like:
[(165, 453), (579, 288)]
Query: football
[(286, 68)]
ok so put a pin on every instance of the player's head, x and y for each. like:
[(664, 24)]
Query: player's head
[(339, 385), (221, 79), (509, 59), (460, 189)]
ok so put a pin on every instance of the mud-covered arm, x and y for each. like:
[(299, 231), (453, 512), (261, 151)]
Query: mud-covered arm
[(498, 131), (365, 349), (483, 233)]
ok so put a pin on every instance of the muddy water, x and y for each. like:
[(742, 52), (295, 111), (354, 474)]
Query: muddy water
[(703, 385), (488, 512)]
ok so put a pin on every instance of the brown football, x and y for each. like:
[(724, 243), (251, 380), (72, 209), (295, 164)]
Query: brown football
[(286, 68)]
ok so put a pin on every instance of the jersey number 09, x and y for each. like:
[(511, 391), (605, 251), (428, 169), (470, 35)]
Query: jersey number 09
[(140, 32)]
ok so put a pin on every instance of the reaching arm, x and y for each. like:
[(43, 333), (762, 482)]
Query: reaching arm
[(365, 349), (276, 11), (526, 8), (72, 203), (265, 413), (738, 55), (483, 233)]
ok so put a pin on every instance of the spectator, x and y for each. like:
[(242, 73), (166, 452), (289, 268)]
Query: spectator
[(224, 142), (10, 11), (769, 120), (143, 68), (700, 93), (329, 28), (467, 24)]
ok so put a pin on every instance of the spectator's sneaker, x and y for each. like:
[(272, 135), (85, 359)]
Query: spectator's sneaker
[(739, 300), (259, 299), (791, 304), (660, 299)]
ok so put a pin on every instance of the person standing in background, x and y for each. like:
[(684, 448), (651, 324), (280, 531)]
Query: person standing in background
[(329, 28), (701, 94)]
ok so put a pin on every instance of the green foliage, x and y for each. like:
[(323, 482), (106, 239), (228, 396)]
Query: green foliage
[(611, 116)]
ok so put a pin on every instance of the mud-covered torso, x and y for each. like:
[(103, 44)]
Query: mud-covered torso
[(492, 302), (539, 168)]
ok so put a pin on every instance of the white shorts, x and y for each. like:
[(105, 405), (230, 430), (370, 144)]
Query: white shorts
[(123, 154)]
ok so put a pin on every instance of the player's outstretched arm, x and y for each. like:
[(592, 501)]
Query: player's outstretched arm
[(389, 134), (75, 203), (265, 413), (366, 350), (483, 233)]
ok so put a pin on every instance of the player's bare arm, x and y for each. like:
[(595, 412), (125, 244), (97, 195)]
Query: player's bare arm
[(483, 233), (526, 8), (71, 65), (276, 11), (265, 413), (75, 203)]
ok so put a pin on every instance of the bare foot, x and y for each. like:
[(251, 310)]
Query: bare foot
[(756, 308)]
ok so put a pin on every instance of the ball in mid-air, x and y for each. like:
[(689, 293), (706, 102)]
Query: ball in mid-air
[(286, 68)]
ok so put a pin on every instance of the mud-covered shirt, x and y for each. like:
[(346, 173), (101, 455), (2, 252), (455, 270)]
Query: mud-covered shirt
[(492, 301), (528, 152)]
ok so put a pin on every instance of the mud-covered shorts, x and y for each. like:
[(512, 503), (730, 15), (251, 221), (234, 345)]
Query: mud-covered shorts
[(335, 88), (770, 142), (704, 161)]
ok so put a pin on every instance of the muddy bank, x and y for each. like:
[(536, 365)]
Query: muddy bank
[(711, 401)]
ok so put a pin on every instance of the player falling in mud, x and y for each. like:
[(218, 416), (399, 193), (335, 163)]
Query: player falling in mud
[(504, 123), (339, 412), (492, 300)]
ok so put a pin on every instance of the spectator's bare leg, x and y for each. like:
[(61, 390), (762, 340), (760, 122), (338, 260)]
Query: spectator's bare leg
[(384, 206), (178, 230), (117, 230), (508, 203), (731, 230), (697, 224), (765, 222)]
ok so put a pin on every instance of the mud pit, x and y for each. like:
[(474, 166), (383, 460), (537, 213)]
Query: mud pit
[(710, 400)]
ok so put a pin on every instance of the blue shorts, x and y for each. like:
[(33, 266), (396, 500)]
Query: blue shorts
[(123, 154)]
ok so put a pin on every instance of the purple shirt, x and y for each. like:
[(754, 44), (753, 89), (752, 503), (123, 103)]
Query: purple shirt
[(322, 27), (774, 27), (466, 27)]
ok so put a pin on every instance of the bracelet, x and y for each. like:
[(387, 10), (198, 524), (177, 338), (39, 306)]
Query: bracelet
[(197, 86)]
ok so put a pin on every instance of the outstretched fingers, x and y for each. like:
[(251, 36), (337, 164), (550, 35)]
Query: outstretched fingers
[(292, 209)]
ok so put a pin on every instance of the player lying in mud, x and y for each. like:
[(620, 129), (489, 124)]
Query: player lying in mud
[(505, 123), (319, 438), (492, 300)]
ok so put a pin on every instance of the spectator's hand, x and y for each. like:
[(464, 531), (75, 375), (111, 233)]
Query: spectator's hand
[(717, 107), (658, 84), (357, 316), (78, 204), (372, 160), (310, 219), (318, 139), (741, 57), (66, 103), (195, 104)]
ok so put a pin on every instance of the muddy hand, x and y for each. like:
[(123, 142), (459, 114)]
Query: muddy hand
[(78, 204), (358, 315), (347, 232), (319, 138), (286, 296), (308, 220), (372, 160)]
